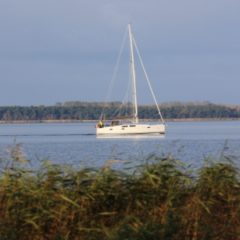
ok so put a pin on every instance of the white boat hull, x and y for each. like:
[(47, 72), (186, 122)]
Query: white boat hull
[(128, 129)]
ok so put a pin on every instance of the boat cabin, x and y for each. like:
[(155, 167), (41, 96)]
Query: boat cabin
[(115, 123)]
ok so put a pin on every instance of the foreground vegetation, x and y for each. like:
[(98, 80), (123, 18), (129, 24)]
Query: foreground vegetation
[(92, 111), (159, 200)]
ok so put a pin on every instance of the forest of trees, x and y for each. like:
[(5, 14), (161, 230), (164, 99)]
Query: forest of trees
[(92, 111)]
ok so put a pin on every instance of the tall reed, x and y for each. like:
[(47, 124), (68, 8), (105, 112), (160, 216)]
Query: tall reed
[(159, 200)]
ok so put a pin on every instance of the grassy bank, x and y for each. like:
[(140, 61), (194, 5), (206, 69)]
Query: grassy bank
[(160, 200)]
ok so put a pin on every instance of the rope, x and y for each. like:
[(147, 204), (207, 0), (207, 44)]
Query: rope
[(113, 79), (148, 81), (125, 98)]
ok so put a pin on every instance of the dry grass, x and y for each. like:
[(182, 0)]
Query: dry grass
[(161, 200)]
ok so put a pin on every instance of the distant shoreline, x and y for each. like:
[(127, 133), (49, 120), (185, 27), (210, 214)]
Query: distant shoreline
[(93, 121), (67, 112)]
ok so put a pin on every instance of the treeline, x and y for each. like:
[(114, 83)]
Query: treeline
[(92, 111)]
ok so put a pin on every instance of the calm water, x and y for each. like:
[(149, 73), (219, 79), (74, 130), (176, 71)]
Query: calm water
[(76, 143)]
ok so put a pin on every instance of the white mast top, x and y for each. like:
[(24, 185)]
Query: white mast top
[(133, 75)]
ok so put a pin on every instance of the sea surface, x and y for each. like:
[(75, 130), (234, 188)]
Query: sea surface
[(76, 143)]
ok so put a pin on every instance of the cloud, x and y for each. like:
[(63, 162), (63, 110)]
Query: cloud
[(74, 43)]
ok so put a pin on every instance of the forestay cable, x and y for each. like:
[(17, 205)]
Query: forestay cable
[(113, 79)]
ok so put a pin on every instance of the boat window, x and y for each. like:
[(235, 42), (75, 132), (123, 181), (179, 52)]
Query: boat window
[(125, 126), (132, 125), (115, 123)]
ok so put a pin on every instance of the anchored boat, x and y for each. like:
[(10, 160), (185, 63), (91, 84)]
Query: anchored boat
[(133, 126)]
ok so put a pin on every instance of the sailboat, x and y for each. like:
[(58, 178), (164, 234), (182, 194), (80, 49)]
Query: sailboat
[(133, 127)]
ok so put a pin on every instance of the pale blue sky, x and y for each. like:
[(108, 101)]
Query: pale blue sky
[(61, 50)]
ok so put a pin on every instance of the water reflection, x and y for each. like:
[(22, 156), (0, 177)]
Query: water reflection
[(76, 143)]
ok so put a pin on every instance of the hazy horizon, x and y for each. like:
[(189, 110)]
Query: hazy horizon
[(68, 103), (57, 51)]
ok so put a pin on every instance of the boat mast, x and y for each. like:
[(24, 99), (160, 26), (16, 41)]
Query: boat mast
[(133, 75)]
